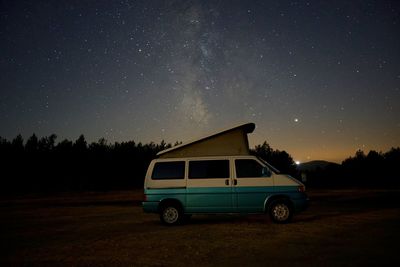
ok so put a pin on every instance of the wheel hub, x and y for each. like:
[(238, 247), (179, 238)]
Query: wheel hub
[(170, 215), (281, 212)]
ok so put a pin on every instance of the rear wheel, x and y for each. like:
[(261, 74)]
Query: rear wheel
[(171, 214), (281, 211)]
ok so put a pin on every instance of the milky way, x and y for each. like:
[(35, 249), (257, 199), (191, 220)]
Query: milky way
[(319, 79)]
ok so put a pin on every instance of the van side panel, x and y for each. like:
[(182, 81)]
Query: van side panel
[(251, 199), (209, 199), (155, 196)]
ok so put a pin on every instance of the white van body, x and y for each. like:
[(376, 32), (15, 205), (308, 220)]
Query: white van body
[(179, 187)]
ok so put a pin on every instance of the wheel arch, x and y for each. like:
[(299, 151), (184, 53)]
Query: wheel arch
[(272, 198), (173, 201)]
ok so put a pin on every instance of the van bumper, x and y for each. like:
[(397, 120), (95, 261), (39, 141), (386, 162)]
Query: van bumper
[(150, 206)]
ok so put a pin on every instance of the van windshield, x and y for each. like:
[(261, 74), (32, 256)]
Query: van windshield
[(275, 170)]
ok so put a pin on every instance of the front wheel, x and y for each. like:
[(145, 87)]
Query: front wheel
[(280, 211), (170, 215)]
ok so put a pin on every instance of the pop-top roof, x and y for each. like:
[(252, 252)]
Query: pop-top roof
[(232, 141)]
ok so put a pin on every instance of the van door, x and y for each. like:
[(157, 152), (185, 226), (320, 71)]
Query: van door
[(209, 186), (252, 184)]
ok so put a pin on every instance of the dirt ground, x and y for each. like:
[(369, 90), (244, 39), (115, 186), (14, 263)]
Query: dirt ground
[(341, 228)]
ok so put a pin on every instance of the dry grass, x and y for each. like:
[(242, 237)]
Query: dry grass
[(345, 227)]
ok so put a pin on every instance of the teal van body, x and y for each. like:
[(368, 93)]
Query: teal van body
[(218, 200), (176, 188)]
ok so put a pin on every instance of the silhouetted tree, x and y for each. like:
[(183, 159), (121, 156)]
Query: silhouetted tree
[(264, 151), (374, 169), (17, 144), (80, 144), (392, 166), (279, 159), (32, 144)]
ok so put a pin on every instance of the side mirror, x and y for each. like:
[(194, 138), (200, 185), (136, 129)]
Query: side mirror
[(266, 172)]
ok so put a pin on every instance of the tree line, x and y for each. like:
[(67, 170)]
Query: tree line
[(44, 165), (373, 170)]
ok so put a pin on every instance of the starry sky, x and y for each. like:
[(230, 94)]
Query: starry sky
[(320, 79)]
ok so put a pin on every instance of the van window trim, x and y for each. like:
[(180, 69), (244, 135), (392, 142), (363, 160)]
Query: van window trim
[(169, 179), (209, 159), (250, 177)]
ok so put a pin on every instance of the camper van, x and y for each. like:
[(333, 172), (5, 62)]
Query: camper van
[(216, 174)]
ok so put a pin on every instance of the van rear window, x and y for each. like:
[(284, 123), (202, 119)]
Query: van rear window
[(168, 170), (204, 169)]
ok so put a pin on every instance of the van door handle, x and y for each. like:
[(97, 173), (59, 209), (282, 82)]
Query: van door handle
[(227, 182), (234, 182)]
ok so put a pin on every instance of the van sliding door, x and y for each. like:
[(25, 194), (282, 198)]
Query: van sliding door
[(209, 187)]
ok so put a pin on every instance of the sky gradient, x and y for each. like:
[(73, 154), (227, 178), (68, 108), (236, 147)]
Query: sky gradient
[(321, 79)]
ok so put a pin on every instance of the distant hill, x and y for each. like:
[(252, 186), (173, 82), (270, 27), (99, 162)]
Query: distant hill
[(315, 164)]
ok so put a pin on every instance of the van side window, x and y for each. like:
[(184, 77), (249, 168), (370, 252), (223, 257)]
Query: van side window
[(248, 168), (168, 170), (203, 169)]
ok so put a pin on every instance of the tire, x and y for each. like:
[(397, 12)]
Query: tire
[(280, 211), (171, 214)]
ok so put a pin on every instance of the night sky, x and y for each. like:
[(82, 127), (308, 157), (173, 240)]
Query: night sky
[(320, 79)]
